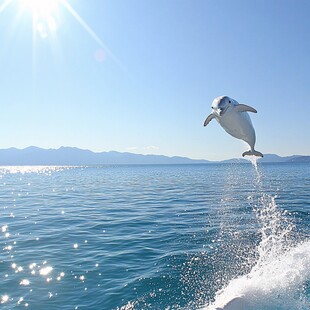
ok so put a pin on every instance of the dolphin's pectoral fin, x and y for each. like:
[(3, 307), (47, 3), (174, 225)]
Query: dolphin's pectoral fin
[(244, 108), (208, 119)]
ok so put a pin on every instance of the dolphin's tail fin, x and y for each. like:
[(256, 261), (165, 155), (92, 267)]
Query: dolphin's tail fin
[(252, 153)]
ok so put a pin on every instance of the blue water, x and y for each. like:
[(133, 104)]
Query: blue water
[(155, 237)]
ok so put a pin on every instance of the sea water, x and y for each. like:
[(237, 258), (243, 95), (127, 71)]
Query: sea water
[(217, 236)]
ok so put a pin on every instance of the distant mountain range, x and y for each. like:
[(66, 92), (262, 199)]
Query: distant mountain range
[(74, 156), (273, 158)]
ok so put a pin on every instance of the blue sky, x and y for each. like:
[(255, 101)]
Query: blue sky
[(140, 76)]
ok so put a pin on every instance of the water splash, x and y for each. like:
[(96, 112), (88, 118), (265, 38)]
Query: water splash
[(274, 284), (253, 160), (277, 279)]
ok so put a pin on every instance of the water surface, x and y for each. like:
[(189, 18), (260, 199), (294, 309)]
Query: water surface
[(155, 237)]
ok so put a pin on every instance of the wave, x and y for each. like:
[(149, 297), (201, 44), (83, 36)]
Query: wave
[(278, 278), (275, 284)]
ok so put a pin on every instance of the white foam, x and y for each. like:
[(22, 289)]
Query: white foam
[(277, 279), (269, 285)]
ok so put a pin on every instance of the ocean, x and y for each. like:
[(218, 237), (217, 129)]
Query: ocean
[(215, 236)]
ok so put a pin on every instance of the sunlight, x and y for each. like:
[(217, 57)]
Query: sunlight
[(4, 5), (44, 15), (47, 17), (40, 8), (91, 32)]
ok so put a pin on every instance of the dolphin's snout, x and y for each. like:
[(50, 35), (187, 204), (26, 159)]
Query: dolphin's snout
[(221, 111)]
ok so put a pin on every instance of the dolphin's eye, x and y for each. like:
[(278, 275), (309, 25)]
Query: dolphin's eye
[(229, 101)]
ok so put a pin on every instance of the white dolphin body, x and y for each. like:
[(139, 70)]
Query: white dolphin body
[(233, 117)]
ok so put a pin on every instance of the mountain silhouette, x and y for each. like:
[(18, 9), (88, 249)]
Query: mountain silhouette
[(74, 156)]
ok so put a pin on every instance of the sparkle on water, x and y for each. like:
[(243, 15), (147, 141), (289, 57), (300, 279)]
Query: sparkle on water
[(275, 267), (48, 170)]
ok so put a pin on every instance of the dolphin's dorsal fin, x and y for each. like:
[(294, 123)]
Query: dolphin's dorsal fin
[(208, 119), (244, 108)]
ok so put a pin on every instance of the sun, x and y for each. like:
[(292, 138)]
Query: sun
[(47, 17), (45, 14), (40, 7)]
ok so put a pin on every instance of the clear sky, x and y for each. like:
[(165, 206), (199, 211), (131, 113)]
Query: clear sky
[(140, 76)]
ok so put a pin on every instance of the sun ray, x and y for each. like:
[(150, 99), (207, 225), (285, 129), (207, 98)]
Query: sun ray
[(43, 8), (4, 5), (91, 32), (46, 20), (45, 14)]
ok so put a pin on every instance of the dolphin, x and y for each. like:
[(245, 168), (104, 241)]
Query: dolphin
[(233, 117)]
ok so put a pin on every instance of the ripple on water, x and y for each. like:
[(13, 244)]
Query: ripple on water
[(144, 237)]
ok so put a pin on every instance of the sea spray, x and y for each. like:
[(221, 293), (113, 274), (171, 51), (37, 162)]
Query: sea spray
[(253, 160), (276, 280), (276, 284)]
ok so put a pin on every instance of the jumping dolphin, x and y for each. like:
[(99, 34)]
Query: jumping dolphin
[(233, 117)]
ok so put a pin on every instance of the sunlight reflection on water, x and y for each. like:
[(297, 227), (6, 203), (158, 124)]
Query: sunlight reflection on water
[(105, 237), (33, 169)]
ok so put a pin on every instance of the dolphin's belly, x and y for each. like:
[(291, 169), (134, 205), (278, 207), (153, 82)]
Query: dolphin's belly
[(239, 125)]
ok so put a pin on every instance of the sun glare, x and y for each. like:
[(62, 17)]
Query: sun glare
[(47, 17), (44, 14), (42, 8)]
